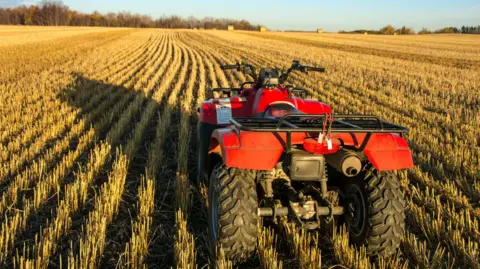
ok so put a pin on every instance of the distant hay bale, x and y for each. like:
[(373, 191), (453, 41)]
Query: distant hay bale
[(201, 28), (319, 31), (263, 29), (195, 28), (394, 33), (366, 33), (214, 29), (230, 28)]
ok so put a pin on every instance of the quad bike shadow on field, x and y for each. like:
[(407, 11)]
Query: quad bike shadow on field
[(268, 154)]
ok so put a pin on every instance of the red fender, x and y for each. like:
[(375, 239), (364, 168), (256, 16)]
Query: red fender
[(250, 150), (385, 151)]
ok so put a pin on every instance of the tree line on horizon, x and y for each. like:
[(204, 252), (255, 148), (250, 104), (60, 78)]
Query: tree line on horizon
[(55, 13), (390, 30)]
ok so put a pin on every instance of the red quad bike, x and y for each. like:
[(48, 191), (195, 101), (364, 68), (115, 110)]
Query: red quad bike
[(266, 153)]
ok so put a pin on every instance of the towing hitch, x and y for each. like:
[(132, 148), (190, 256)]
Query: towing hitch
[(302, 205)]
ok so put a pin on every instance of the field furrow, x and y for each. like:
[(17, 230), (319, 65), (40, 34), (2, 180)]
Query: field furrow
[(76, 193), (54, 181), (107, 204), (160, 161)]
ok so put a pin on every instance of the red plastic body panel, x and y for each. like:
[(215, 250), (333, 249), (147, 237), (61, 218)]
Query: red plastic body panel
[(385, 151), (208, 109), (251, 150)]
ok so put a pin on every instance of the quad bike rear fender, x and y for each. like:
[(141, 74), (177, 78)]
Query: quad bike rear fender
[(262, 150), (386, 151), (250, 150)]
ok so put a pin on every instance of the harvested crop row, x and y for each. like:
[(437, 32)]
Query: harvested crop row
[(76, 194), (36, 123), (48, 134), (53, 181), (108, 203), (185, 251)]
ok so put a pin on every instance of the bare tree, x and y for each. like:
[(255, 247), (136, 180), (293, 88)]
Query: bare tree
[(55, 13)]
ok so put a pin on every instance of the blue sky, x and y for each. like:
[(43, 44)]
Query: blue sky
[(306, 15)]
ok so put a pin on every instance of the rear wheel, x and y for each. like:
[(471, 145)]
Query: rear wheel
[(375, 212), (232, 211)]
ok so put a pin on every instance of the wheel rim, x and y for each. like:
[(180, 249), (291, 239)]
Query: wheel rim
[(356, 211)]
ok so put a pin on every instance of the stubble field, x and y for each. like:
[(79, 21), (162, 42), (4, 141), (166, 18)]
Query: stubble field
[(98, 143)]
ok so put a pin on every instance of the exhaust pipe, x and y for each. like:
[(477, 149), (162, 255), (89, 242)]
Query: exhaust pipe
[(345, 161)]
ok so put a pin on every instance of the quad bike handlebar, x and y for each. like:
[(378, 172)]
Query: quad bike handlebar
[(243, 67), (248, 69), (297, 66), (314, 69)]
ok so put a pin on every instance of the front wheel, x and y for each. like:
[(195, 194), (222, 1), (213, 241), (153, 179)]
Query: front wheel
[(375, 212), (232, 213)]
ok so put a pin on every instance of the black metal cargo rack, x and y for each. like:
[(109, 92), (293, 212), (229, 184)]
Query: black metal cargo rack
[(368, 124)]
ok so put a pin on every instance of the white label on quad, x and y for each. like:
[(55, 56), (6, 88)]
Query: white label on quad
[(224, 113), (320, 138)]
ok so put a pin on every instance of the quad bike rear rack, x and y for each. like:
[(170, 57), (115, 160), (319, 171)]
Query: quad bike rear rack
[(368, 124)]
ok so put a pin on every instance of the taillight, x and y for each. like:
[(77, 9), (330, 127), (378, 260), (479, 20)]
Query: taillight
[(207, 111), (313, 146)]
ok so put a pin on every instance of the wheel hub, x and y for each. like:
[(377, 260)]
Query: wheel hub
[(356, 212)]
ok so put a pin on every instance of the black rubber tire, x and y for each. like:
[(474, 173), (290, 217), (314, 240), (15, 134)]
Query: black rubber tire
[(233, 192), (384, 225)]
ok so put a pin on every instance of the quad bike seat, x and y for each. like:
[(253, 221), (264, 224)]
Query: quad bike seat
[(280, 109)]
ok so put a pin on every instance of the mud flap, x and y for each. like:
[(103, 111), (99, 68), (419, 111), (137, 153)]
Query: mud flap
[(204, 134)]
